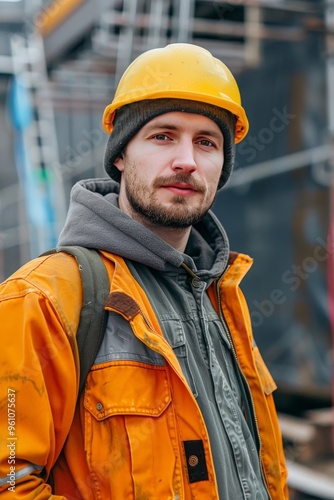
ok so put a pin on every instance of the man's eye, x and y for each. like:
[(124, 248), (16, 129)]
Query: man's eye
[(161, 137), (206, 142)]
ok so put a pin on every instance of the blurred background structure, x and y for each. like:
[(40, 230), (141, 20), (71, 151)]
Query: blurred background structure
[(60, 62)]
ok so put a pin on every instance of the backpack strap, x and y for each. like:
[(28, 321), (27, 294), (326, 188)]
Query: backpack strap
[(93, 316)]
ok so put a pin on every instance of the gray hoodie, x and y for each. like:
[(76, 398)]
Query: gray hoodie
[(95, 221)]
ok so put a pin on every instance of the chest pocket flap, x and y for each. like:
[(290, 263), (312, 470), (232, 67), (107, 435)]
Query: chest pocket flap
[(126, 388)]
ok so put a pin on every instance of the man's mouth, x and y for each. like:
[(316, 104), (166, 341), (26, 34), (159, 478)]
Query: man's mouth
[(180, 188)]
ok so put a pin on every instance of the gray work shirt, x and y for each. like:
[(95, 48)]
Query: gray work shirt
[(198, 338)]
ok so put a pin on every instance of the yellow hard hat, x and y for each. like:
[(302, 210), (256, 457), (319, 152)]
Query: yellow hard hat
[(179, 71)]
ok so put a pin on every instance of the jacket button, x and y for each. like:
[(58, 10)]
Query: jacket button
[(193, 460), (99, 406), (196, 282)]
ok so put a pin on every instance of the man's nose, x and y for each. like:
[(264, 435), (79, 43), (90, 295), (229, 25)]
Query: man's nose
[(184, 157)]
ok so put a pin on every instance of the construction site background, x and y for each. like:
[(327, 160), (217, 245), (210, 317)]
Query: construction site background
[(60, 62)]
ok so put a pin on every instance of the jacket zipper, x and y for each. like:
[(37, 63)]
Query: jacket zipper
[(221, 315)]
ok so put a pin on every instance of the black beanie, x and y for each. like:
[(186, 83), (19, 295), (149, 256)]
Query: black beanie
[(132, 117)]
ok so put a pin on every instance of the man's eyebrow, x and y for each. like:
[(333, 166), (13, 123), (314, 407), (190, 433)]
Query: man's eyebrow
[(162, 125), (212, 133)]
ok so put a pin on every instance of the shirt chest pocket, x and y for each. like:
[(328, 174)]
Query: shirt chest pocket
[(174, 331), (129, 430)]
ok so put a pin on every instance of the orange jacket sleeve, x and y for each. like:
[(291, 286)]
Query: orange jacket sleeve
[(39, 381)]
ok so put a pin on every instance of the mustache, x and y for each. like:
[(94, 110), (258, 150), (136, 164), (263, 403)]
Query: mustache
[(178, 179)]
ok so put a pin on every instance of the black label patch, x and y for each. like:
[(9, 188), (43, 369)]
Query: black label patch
[(196, 464)]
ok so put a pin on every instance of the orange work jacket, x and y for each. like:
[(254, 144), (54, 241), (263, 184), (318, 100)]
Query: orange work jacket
[(124, 438)]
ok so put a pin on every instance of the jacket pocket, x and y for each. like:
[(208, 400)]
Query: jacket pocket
[(130, 437)]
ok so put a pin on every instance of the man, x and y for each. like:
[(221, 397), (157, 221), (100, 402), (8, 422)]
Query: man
[(178, 404)]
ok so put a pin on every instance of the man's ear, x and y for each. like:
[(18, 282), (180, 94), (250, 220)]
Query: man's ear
[(119, 163)]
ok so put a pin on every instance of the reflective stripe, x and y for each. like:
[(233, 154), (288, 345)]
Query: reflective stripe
[(21, 473)]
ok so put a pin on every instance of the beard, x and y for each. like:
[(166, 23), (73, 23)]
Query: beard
[(178, 214)]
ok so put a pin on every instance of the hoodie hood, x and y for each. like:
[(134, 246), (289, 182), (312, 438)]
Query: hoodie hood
[(95, 221)]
